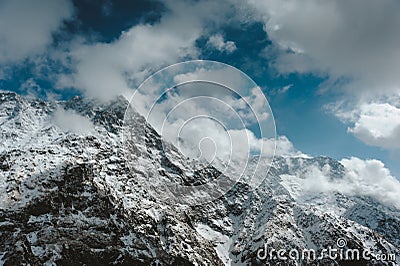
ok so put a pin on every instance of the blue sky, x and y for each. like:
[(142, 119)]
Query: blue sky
[(327, 68)]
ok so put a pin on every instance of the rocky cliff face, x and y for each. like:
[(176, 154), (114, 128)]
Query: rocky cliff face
[(68, 197)]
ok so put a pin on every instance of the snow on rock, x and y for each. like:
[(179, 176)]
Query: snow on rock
[(222, 242), (70, 198)]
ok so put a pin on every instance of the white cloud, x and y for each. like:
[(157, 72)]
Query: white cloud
[(31, 88), (226, 75), (352, 39), (236, 83), (361, 178), (280, 146), (103, 70), (285, 89), (257, 101), (26, 27), (217, 41), (71, 121), (225, 109), (215, 119), (354, 44), (281, 90), (370, 178), (194, 118), (378, 125), (374, 123), (284, 147)]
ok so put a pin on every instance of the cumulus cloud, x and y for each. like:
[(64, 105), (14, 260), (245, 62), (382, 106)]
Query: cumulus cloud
[(353, 39), (374, 123), (186, 121), (353, 44), (367, 178), (71, 121), (378, 125), (284, 147), (217, 41), (26, 27), (103, 70), (370, 178), (236, 145)]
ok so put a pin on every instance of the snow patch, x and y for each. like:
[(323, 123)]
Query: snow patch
[(222, 242), (1, 258)]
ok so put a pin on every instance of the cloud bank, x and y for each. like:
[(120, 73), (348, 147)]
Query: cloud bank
[(353, 44), (361, 178), (355, 39), (378, 125), (26, 27), (70, 121), (103, 70)]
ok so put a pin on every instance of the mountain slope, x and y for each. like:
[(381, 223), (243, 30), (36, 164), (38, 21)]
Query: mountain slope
[(69, 196)]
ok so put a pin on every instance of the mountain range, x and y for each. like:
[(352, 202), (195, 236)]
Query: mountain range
[(69, 196)]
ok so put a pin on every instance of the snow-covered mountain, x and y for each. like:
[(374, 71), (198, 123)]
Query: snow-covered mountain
[(68, 197)]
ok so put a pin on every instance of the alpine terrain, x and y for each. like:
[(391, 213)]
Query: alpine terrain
[(68, 197)]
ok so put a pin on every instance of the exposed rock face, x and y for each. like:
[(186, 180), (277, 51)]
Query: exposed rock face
[(68, 198)]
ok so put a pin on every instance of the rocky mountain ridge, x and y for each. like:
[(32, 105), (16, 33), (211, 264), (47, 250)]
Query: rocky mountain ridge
[(69, 197)]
